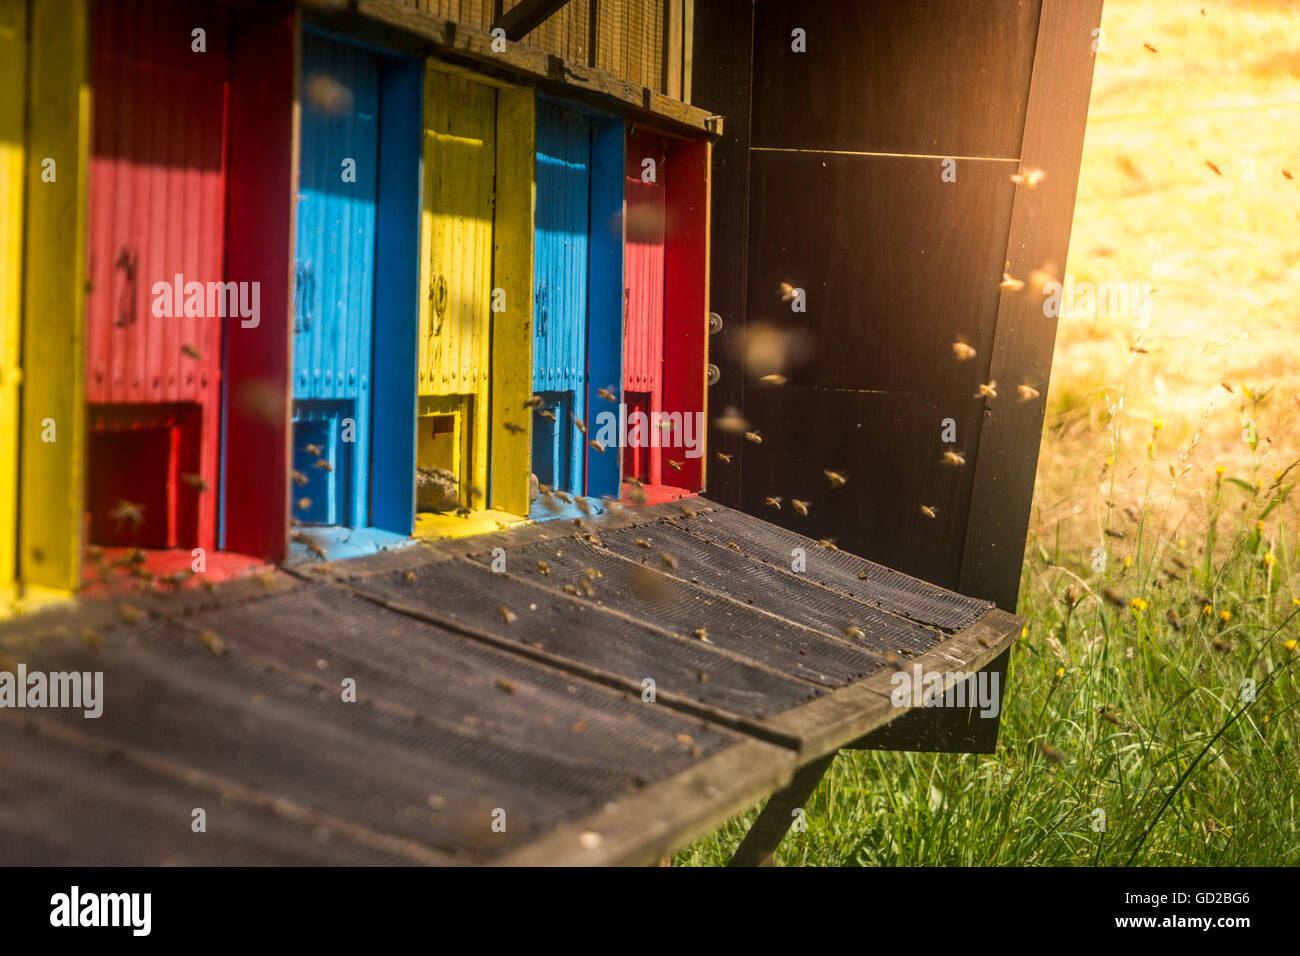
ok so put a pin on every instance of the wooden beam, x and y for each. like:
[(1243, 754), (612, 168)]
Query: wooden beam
[(766, 832), (526, 16), (1024, 339), (415, 32)]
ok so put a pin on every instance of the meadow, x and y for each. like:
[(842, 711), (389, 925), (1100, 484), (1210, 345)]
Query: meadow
[(1151, 714)]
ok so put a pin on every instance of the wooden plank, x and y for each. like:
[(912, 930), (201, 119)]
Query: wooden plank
[(391, 24), (526, 16), (932, 77), (766, 832), (640, 829), (839, 719), (397, 305), (54, 298), (671, 70), (262, 212), (1023, 345), (13, 98), (512, 272), (686, 303), (724, 33)]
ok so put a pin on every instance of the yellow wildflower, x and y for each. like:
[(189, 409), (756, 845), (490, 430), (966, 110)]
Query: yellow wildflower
[(1138, 604), (1225, 616)]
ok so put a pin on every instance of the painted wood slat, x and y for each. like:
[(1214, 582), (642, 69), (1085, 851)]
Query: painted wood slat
[(335, 271), (50, 482), (13, 89), (456, 259), (560, 291)]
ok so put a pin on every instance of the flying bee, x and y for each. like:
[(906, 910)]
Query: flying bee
[(1113, 533), (675, 465), (534, 401), (1287, 174), (1107, 714), (543, 567), (862, 575), (565, 497), (570, 589), (1174, 620), (547, 414), (580, 425), (988, 391), (507, 615), (928, 511), (1027, 393), (128, 511), (585, 587), (723, 457), (755, 437), (773, 379), (799, 506), (316, 549), (837, 478), (787, 292), (597, 444), (829, 544), (1217, 170), (637, 495), (505, 685), (700, 634), (1114, 597), (213, 642), (191, 351), (1011, 283), (1051, 753), (773, 501), (1226, 387), (954, 459), (607, 394), (409, 577), (1029, 178), (668, 560), (1221, 645), (515, 429), (643, 543), (688, 511), (463, 512), (731, 421), (323, 465), (1149, 47), (1138, 350), (963, 351), (893, 659), (304, 504), (129, 614), (299, 478), (583, 505), (314, 450), (195, 481)]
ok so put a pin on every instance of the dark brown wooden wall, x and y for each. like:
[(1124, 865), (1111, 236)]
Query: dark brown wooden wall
[(829, 179)]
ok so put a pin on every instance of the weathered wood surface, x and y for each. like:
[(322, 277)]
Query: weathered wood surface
[(403, 29), (519, 689)]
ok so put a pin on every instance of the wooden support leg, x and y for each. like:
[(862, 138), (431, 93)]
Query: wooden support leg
[(774, 820)]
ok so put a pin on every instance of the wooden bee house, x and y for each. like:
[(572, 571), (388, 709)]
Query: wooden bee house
[(865, 221), (664, 354), (186, 228), (577, 308), (475, 341), (354, 294)]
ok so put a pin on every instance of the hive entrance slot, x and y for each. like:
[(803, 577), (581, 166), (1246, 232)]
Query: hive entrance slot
[(442, 457), (135, 493)]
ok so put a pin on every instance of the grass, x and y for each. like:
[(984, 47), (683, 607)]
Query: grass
[(1110, 706)]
